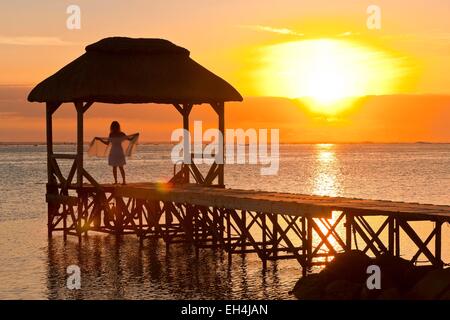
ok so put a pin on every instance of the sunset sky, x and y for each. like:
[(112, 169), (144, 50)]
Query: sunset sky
[(311, 68)]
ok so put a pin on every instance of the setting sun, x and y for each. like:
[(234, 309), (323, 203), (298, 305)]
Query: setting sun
[(326, 73)]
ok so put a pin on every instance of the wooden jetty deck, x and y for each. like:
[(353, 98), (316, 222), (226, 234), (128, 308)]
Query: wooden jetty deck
[(275, 202), (273, 225)]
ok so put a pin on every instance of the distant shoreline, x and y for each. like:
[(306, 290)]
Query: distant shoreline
[(26, 143)]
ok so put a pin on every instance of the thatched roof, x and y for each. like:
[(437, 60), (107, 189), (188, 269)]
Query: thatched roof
[(125, 70)]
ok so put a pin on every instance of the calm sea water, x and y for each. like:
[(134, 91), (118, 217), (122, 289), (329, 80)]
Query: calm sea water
[(32, 266)]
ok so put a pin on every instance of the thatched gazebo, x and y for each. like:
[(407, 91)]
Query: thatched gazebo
[(125, 70)]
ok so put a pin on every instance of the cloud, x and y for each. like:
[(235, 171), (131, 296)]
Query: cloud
[(348, 34), (284, 31), (418, 36), (33, 41), (290, 32)]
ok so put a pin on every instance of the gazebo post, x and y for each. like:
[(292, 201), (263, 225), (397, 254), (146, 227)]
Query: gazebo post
[(221, 113), (219, 108), (217, 170), (185, 110), (52, 188), (79, 108), (50, 109)]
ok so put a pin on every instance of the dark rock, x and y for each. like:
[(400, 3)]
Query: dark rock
[(367, 294), (342, 290), (390, 294), (445, 296), (435, 285), (397, 272), (346, 278), (412, 276), (310, 287), (350, 266)]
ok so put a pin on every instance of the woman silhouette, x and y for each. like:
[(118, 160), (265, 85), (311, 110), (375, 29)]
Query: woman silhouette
[(116, 156), (117, 146)]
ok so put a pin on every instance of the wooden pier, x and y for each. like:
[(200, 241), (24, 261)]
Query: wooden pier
[(310, 229), (272, 225)]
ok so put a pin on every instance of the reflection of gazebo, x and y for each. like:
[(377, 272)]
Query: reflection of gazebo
[(124, 70)]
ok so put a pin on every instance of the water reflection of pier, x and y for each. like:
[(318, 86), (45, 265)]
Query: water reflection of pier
[(119, 268)]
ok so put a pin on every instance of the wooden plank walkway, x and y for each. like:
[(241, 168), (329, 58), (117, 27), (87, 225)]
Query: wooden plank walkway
[(281, 203)]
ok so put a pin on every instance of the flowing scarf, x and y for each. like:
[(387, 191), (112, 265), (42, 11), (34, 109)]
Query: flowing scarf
[(101, 146)]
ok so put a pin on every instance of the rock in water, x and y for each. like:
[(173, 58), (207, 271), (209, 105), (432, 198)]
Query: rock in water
[(435, 285), (350, 266), (397, 272), (345, 278), (310, 287), (390, 294), (445, 296), (342, 290)]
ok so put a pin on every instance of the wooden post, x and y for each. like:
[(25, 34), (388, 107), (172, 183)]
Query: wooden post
[(186, 140), (397, 237), (244, 227), (391, 235), (219, 108), (264, 239), (229, 240), (309, 235), (275, 235), (51, 181), (49, 123), (50, 109), (196, 222), (79, 108), (304, 241), (50, 177), (348, 231), (221, 168), (438, 243), (185, 110)]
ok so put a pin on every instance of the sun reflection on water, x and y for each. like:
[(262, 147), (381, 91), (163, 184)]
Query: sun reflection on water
[(326, 172), (326, 183)]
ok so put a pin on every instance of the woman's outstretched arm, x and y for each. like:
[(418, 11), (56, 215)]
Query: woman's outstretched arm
[(132, 136), (102, 140)]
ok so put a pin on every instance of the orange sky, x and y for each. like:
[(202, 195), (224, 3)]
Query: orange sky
[(236, 39)]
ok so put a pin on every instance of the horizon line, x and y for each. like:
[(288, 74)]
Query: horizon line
[(283, 143), (27, 85)]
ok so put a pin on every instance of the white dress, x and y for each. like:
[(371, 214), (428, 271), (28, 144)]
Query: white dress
[(115, 148), (116, 156)]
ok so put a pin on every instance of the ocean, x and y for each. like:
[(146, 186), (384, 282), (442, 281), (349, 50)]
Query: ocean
[(34, 267)]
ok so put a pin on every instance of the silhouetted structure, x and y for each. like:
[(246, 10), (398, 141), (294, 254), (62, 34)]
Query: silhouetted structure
[(273, 225), (124, 70)]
